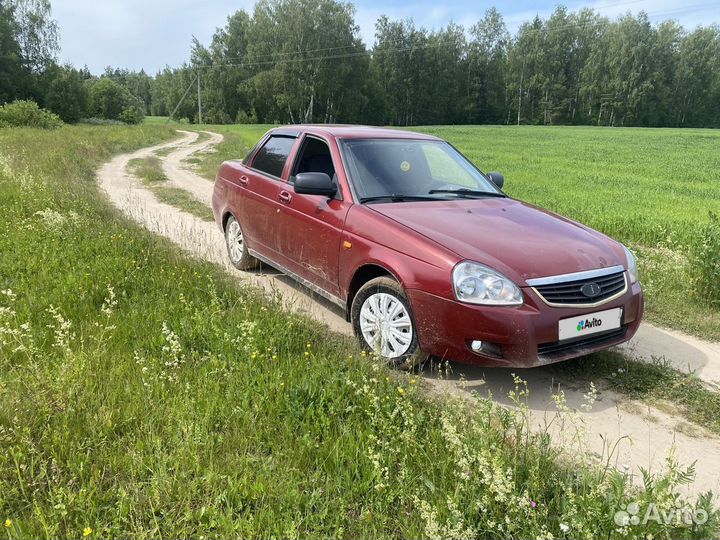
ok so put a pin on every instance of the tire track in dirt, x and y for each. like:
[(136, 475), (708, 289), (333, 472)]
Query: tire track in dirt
[(645, 435), (180, 176)]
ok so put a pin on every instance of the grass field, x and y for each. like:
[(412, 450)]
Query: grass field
[(652, 189), (144, 394)]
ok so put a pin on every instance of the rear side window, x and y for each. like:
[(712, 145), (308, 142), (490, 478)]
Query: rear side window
[(272, 156)]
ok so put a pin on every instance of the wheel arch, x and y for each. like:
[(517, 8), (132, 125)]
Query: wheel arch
[(361, 276), (226, 215)]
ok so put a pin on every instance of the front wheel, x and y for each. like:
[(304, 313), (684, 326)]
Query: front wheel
[(236, 246), (383, 323)]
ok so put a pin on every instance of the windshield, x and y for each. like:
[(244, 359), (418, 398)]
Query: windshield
[(387, 170)]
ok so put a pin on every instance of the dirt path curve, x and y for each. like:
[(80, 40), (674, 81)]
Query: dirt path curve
[(177, 171), (646, 435)]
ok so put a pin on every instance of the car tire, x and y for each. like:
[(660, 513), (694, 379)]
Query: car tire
[(382, 302), (237, 246)]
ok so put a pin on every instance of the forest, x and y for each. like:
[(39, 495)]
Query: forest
[(299, 61)]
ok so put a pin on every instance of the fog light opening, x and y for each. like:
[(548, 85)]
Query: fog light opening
[(486, 348)]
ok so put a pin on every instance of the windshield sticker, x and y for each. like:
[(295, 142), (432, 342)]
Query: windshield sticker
[(405, 166)]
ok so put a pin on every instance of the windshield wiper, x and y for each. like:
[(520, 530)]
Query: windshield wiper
[(468, 192), (397, 198)]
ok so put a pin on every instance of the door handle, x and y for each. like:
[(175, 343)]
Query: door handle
[(285, 197), (244, 180)]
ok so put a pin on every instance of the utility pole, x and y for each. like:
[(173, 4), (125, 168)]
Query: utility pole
[(199, 102), (187, 91)]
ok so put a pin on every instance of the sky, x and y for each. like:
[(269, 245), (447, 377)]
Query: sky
[(150, 34)]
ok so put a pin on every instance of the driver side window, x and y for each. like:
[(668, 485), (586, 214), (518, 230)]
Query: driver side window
[(314, 156)]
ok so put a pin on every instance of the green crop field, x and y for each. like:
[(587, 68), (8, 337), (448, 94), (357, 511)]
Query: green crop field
[(653, 189), (146, 394)]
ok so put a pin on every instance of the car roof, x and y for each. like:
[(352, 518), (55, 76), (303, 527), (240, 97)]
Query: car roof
[(342, 131)]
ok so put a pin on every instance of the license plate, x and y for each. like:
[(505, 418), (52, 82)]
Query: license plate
[(592, 323)]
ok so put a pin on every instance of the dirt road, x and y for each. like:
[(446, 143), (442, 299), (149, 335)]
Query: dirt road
[(646, 434)]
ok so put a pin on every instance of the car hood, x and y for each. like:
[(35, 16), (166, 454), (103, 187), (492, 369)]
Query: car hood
[(518, 239)]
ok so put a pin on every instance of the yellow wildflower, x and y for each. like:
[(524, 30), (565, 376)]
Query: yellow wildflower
[(8, 523), (401, 390), (87, 531)]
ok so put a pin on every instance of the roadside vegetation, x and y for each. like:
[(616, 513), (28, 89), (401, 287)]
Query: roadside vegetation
[(22, 113), (149, 171), (146, 394)]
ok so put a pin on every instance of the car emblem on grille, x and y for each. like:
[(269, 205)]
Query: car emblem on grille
[(591, 290)]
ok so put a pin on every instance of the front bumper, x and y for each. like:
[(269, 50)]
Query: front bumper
[(527, 335)]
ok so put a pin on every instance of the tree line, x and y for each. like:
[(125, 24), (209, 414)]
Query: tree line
[(29, 71), (303, 61)]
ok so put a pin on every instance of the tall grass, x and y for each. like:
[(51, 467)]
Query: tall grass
[(145, 394), (706, 259)]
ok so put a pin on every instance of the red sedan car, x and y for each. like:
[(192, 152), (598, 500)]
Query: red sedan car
[(423, 251)]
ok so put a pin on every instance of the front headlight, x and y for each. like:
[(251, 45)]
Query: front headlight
[(477, 284), (631, 266)]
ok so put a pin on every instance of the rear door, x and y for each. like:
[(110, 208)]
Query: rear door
[(263, 188), (312, 226)]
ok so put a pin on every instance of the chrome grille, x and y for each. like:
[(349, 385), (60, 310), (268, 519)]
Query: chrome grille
[(569, 291)]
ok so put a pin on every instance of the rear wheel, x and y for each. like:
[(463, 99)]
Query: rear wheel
[(383, 323), (236, 246)]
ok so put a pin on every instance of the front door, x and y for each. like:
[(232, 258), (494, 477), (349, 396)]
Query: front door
[(312, 224)]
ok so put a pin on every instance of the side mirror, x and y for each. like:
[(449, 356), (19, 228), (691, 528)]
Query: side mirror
[(496, 178), (314, 183)]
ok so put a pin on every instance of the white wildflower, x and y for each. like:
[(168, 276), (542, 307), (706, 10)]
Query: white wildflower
[(61, 330), (11, 296), (172, 351), (590, 397), (51, 218), (109, 303)]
